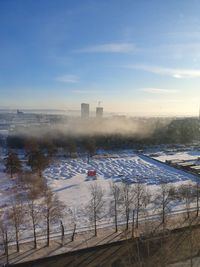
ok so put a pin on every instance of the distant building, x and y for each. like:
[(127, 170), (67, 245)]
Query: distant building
[(85, 110), (19, 112), (99, 112)]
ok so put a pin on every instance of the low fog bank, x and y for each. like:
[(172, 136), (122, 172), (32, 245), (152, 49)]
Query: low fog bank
[(95, 127), (107, 133)]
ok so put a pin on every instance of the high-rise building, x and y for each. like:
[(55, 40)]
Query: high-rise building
[(85, 110), (99, 112)]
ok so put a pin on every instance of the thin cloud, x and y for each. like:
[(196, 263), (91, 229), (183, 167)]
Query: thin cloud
[(158, 91), (109, 48), (68, 78), (173, 72), (84, 91), (182, 50)]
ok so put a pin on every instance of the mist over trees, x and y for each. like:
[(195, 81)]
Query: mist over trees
[(142, 132)]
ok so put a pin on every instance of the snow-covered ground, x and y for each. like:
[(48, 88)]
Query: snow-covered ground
[(185, 155), (68, 177), (131, 168), (5, 184)]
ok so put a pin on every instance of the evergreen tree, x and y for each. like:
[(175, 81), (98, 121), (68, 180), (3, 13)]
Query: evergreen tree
[(37, 161), (12, 164)]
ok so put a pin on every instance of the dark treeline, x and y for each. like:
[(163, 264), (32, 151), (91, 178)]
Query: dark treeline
[(178, 131)]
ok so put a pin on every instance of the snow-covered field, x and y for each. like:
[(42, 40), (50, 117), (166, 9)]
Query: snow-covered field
[(68, 177), (129, 167)]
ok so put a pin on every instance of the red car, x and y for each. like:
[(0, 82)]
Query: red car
[(92, 173)]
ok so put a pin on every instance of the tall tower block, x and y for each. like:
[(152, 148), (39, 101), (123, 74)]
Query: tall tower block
[(99, 112), (85, 111)]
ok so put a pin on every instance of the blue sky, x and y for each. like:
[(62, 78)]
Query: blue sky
[(137, 56)]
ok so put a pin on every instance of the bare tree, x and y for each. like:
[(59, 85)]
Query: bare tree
[(186, 192), (16, 217), (16, 210), (127, 200), (163, 200), (115, 201), (52, 212), (62, 232), (74, 232), (133, 223), (4, 222), (33, 186), (72, 220), (34, 210), (141, 199), (197, 196), (96, 203)]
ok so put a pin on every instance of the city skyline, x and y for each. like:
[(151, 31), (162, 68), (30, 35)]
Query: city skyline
[(138, 57)]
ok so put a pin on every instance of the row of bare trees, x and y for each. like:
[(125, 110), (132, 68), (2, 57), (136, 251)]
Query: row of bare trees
[(125, 199), (32, 205), (128, 201), (32, 202)]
